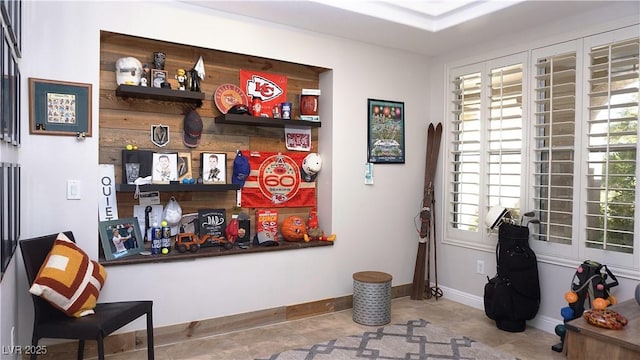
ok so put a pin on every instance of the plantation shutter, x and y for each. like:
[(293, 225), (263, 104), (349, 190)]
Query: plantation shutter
[(554, 139), (504, 136), (465, 184), (612, 138)]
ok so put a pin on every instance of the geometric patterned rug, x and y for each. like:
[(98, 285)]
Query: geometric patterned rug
[(417, 339)]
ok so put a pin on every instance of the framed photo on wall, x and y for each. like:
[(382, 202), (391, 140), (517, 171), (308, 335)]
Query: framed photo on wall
[(59, 108), (120, 238), (165, 168), (136, 164), (184, 166), (385, 132), (158, 77), (214, 168)]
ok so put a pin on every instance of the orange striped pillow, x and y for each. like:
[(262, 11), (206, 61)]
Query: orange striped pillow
[(68, 279)]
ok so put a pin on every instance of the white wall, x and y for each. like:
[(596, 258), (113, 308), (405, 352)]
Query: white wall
[(374, 224), (62, 43)]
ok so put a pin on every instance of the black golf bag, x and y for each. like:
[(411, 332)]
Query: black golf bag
[(513, 295)]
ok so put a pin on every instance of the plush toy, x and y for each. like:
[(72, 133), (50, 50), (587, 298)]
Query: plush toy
[(313, 230), (293, 228)]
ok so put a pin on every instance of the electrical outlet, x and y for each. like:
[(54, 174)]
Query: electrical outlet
[(480, 266)]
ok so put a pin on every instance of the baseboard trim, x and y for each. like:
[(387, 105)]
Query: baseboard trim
[(137, 340), (544, 323)]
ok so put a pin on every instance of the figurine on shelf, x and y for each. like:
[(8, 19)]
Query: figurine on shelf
[(196, 75), (158, 60), (314, 232), (181, 76), (144, 78)]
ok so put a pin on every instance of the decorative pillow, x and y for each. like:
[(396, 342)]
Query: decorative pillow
[(68, 279)]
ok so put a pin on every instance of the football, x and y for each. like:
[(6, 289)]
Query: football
[(308, 105)]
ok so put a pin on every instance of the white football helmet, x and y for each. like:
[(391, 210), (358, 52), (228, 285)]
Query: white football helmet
[(312, 163), (128, 71)]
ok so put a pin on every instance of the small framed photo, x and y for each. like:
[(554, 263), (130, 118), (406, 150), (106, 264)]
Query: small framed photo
[(158, 77), (385, 132), (59, 108), (165, 168), (214, 168), (184, 166), (120, 238)]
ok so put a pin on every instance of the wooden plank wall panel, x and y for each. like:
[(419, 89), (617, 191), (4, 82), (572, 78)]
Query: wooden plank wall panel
[(128, 120)]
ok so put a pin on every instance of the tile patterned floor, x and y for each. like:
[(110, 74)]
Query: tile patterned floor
[(262, 341)]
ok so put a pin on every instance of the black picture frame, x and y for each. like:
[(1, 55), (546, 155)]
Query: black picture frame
[(9, 212), (4, 236), (158, 77), (3, 50), (16, 137), (128, 227), (9, 68), (59, 108), (17, 170), (9, 94), (5, 89), (212, 223), (385, 132), (217, 175), (136, 164)]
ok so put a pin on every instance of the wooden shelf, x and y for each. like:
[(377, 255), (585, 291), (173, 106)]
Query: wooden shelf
[(236, 119), (178, 187), (145, 92), (174, 255)]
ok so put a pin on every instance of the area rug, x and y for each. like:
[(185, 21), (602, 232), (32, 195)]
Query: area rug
[(417, 339)]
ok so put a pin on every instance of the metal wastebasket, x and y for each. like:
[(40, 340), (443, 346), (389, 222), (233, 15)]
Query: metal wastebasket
[(372, 298)]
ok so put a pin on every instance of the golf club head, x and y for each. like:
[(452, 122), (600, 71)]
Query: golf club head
[(527, 214), (533, 221)]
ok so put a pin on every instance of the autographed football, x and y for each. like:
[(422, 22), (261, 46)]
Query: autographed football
[(308, 105)]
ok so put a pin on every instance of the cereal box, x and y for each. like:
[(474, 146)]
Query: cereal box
[(267, 226)]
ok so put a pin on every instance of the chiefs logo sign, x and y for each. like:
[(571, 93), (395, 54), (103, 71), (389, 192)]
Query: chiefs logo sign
[(275, 181), (271, 89), (263, 88)]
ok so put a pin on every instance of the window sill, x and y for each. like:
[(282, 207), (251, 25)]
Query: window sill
[(174, 255)]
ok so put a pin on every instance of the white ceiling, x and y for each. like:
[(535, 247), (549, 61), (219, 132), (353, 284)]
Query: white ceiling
[(425, 27)]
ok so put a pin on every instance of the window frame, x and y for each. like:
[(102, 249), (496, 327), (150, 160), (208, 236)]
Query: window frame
[(546, 248), (621, 260), (561, 254), (479, 239)]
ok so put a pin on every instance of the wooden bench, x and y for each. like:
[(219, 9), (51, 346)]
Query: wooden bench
[(586, 341)]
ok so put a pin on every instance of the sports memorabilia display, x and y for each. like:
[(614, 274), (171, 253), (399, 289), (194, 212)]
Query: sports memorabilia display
[(269, 89), (276, 181)]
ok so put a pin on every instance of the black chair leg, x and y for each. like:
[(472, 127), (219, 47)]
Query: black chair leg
[(100, 348), (80, 349), (150, 354), (34, 342)]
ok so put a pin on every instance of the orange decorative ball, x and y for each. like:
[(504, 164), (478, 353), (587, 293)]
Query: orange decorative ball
[(293, 228), (599, 303), (571, 297)]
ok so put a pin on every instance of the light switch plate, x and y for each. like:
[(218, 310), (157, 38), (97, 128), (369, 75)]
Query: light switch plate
[(73, 190)]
